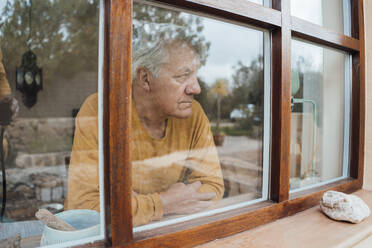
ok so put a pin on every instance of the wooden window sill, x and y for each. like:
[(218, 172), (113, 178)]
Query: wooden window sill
[(310, 228)]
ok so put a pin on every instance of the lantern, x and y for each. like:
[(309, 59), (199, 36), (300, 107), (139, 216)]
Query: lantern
[(29, 79)]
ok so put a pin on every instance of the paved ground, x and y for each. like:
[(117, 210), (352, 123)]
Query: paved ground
[(234, 144)]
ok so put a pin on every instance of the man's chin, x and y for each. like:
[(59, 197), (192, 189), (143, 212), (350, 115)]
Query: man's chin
[(183, 114)]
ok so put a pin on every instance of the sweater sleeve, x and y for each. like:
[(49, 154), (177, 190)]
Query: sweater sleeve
[(83, 176), (4, 91), (203, 158), (4, 85), (146, 208), (5, 146)]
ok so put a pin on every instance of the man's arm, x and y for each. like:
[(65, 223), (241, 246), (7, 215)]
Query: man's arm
[(83, 173), (205, 181), (203, 158), (83, 178)]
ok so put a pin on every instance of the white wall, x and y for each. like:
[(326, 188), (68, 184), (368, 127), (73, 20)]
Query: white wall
[(368, 41)]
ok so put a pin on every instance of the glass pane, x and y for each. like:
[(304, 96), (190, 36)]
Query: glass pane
[(197, 124), (257, 1), (318, 123), (331, 14), (50, 56)]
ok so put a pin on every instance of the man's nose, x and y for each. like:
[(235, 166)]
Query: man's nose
[(193, 88)]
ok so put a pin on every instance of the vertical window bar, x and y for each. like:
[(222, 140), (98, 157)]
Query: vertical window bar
[(347, 17), (100, 112), (347, 115), (267, 115)]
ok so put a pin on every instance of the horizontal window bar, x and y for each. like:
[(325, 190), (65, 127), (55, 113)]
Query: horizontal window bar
[(315, 33), (243, 11)]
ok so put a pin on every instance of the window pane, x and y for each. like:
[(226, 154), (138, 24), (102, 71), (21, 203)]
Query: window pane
[(193, 158), (47, 165), (319, 107), (257, 1), (331, 14)]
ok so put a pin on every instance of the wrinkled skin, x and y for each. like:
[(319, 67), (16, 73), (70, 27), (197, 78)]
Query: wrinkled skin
[(183, 198)]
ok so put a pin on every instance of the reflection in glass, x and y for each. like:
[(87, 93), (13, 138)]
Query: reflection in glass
[(318, 114), (258, 1), (331, 14), (40, 140), (204, 155)]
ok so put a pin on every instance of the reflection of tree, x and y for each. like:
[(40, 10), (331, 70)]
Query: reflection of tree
[(219, 88), (248, 93), (205, 98), (64, 35), (308, 73), (152, 24)]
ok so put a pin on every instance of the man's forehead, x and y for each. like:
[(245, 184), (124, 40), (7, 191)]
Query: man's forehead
[(183, 56)]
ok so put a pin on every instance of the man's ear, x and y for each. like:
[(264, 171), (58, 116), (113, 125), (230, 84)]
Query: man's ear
[(143, 78)]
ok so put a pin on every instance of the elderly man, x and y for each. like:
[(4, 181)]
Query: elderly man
[(175, 165)]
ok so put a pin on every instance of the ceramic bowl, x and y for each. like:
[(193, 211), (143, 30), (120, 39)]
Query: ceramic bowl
[(86, 223)]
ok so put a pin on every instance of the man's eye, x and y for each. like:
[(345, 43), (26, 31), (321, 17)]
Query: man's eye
[(185, 75)]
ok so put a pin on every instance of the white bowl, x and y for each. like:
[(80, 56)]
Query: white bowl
[(86, 223)]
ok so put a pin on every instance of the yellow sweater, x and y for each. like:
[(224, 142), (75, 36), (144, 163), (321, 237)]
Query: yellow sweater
[(4, 91), (4, 85), (186, 154)]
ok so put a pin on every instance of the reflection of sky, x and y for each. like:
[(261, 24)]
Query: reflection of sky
[(308, 10), (2, 5), (229, 44), (312, 54), (257, 1)]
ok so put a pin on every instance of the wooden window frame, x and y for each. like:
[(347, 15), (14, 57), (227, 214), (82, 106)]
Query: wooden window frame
[(117, 115)]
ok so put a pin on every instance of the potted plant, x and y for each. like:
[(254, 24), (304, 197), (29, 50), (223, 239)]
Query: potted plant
[(219, 88)]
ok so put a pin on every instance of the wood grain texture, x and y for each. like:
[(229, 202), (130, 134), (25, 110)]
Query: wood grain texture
[(308, 229), (238, 10), (358, 94), (120, 82), (281, 105), (315, 33), (235, 224), (201, 221)]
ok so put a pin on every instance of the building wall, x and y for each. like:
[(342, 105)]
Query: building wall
[(368, 154)]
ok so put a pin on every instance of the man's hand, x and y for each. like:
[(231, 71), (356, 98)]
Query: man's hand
[(185, 199), (8, 109)]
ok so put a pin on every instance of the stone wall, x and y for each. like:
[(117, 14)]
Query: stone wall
[(37, 164)]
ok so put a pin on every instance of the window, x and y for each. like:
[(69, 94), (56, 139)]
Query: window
[(233, 104), (43, 167), (295, 83), (337, 59), (320, 116), (333, 15)]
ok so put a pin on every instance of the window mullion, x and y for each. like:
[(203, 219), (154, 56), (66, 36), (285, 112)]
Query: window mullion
[(281, 105), (119, 73), (358, 94)]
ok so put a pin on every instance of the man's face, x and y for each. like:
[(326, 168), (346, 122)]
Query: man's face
[(174, 88)]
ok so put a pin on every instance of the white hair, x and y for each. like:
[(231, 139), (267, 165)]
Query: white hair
[(151, 51), (151, 58)]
